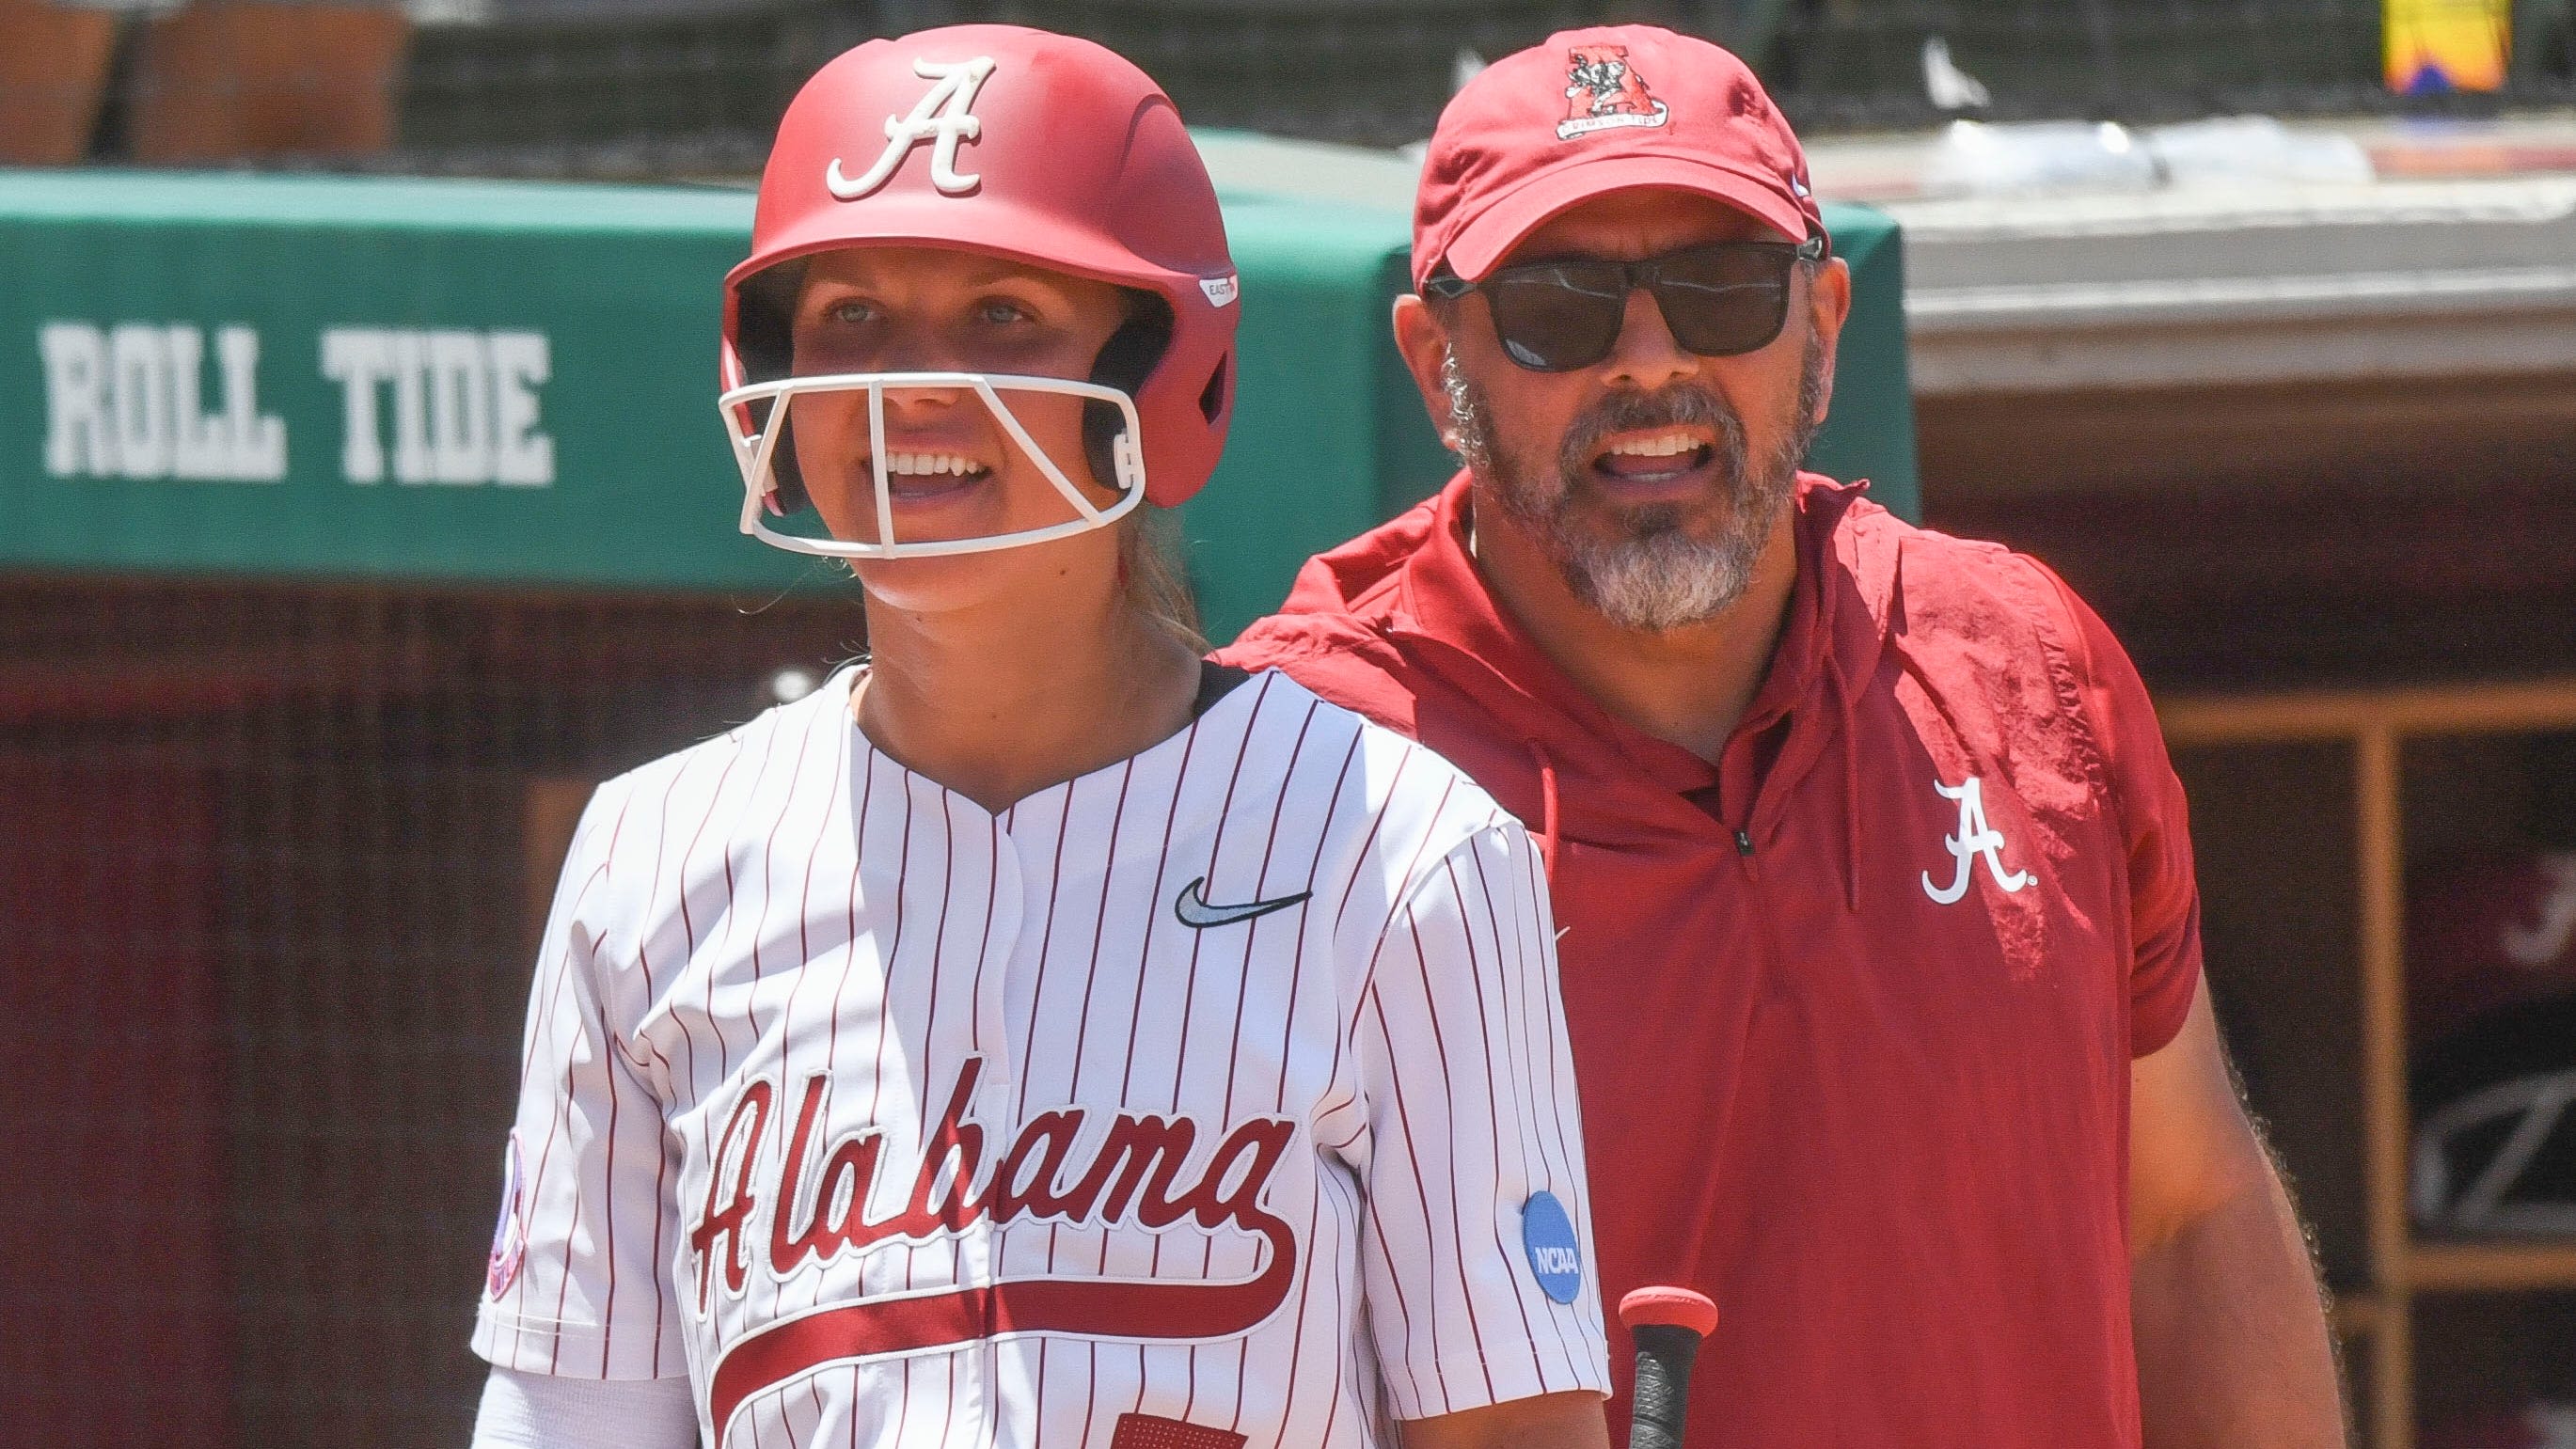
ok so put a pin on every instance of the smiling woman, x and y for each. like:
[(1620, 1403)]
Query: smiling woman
[(1033, 1035), (1000, 450)]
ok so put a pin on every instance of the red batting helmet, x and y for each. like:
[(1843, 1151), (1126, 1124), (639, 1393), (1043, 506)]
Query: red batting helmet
[(1014, 142)]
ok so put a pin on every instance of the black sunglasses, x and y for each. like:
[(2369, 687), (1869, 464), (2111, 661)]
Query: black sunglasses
[(1719, 299)]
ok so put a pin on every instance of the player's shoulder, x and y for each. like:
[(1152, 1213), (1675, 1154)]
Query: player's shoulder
[(1392, 809), (682, 806), (699, 768), (1400, 774), (651, 853)]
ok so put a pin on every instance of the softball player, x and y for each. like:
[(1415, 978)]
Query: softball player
[(1034, 1036)]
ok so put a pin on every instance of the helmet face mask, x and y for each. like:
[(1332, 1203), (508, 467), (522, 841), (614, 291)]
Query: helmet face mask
[(758, 454), (1014, 144)]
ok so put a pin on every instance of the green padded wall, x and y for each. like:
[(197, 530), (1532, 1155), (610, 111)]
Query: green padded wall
[(512, 383)]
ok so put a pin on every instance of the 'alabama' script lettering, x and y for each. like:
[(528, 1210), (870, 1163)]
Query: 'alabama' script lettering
[(1135, 1173), (817, 1208)]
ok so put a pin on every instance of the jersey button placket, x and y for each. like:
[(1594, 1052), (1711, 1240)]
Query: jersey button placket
[(978, 1247), (992, 1039)]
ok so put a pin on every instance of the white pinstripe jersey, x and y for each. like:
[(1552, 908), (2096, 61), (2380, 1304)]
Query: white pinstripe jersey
[(1207, 1089)]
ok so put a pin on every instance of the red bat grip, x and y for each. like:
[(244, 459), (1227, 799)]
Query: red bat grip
[(1667, 1324)]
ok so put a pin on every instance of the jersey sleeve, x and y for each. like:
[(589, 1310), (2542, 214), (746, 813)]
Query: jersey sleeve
[(2155, 823), (540, 1411), (577, 1283), (1476, 1247)]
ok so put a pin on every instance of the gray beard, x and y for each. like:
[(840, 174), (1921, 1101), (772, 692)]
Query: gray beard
[(1654, 576)]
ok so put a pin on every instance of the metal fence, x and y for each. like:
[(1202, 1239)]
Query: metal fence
[(1839, 64), (272, 860), (700, 91), (681, 87)]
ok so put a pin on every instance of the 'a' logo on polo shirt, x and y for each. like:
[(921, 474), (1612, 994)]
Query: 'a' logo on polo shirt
[(1975, 838)]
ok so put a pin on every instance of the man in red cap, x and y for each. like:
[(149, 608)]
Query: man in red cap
[(1881, 952)]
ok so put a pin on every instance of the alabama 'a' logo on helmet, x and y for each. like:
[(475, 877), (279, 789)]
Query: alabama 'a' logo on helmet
[(944, 116), (1603, 92)]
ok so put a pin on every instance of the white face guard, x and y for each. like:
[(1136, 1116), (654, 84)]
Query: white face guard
[(755, 453)]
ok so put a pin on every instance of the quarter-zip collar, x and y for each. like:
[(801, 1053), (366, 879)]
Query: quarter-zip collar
[(1422, 590)]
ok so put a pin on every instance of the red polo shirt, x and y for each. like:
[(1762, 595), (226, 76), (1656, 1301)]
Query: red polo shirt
[(1853, 1009)]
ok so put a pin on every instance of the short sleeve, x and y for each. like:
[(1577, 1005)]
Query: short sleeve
[(2164, 892), (577, 1283), (1476, 1253)]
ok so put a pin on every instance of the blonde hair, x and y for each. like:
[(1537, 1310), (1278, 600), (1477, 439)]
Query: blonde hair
[(1152, 577)]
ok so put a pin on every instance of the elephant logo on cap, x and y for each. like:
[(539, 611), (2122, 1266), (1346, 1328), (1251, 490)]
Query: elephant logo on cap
[(1603, 91)]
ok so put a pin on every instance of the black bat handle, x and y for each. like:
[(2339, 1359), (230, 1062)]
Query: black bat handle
[(1667, 1324), (1665, 1352)]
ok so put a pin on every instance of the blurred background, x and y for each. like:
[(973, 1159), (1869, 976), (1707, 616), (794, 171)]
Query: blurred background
[(362, 504)]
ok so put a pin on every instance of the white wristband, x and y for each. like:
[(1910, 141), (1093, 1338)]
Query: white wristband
[(542, 1411)]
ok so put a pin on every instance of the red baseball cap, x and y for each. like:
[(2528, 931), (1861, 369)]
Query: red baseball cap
[(1608, 108)]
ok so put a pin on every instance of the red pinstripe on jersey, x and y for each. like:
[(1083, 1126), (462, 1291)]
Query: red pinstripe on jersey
[(1087, 1160)]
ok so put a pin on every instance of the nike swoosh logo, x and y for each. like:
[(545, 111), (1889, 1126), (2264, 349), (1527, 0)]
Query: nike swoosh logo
[(1191, 905)]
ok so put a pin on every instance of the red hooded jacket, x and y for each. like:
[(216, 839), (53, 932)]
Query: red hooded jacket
[(1852, 1011)]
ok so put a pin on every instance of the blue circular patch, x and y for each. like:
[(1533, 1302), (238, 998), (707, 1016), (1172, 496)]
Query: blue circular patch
[(1555, 1258)]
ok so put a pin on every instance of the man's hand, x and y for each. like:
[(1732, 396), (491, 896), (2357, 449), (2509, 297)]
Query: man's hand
[(1550, 1421), (2228, 1318)]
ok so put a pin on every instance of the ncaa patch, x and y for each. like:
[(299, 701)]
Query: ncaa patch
[(510, 1235), (1555, 1258)]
